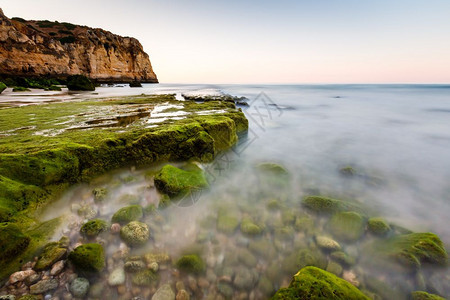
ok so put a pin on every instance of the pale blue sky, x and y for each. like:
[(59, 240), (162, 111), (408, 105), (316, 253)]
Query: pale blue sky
[(287, 41)]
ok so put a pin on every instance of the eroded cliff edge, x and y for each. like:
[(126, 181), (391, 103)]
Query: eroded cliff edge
[(53, 49)]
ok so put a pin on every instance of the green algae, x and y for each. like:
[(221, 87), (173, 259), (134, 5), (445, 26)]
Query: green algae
[(378, 226), (191, 264), (314, 283), (127, 214), (93, 228)]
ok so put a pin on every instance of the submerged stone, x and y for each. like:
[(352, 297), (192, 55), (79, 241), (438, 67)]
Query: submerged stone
[(249, 228), (342, 258), (227, 222), (303, 258), (191, 264), (44, 286), (88, 257), (327, 243), (176, 182), (79, 287), (273, 168), (93, 228), (313, 283), (347, 226), (128, 214), (165, 292), (51, 253), (411, 250), (144, 278), (135, 233), (99, 194), (320, 204)]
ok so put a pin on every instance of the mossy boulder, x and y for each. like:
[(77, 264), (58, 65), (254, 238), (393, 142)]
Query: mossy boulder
[(88, 257), (272, 168), (93, 228), (411, 250), (2, 87), (347, 226), (99, 194), (12, 241), (249, 228), (79, 83), (135, 233), (325, 205), (51, 253), (420, 295), (378, 226), (191, 264), (176, 182), (144, 278), (313, 283), (128, 214)]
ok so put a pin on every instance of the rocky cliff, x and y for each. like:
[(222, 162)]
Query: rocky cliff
[(54, 49)]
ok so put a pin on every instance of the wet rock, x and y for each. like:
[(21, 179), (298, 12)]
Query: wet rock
[(351, 277), (249, 228), (314, 283), (79, 287), (44, 286), (245, 279), (327, 243), (128, 214), (51, 253), (324, 205), (12, 241), (247, 258), (88, 257), (20, 276), (265, 286), (226, 222), (134, 266), (7, 297), (378, 226), (154, 267), (115, 228), (262, 247), (191, 264), (144, 278), (178, 183), (182, 295), (342, 258), (272, 168), (87, 212), (99, 194), (57, 268), (273, 204), (334, 267), (96, 290), (93, 228), (158, 257), (135, 233), (225, 289), (164, 293), (302, 258), (32, 279), (117, 277), (347, 226)]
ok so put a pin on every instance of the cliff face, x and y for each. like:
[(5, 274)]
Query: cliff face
[(44, 48)]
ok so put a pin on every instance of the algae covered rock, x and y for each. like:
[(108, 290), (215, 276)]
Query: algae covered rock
[(79, 287), (249, 228), (135, 233), (12, 241), (325, 205), (226, 222), (177, 183), (93, 228), (378, 226), (411, 250), (51, 253), (99, 194), (313, 283), (303, 258), (80, 83), (88, 257), (2, 87), (272, 168), (347, 226), (128, 214), (144, 278), (419, 295), (191, 264)]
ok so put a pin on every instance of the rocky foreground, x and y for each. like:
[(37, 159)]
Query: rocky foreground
[(57, 50)]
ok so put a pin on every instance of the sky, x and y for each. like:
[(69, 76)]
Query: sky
[(272, 42)]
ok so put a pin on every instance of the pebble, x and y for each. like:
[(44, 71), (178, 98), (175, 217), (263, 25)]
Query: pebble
[(79, 287), (20, 276), (192, 283), (327, 243), (154, 267), (57, 267), (182, 295), (44, 286), (203, 283), (350, 277), (164, 293), (117, 277), (8, 297), (179, 285), (115, 228)]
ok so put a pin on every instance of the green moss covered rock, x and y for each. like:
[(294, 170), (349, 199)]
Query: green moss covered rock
[(80, 83), (249, 228), (12, 241), (128, 214), (347, 226), (272, 168), (99, 194), (51, 253), (313, 283), (419, 295), (227, 222), (177, 183), (135, 233), (303, 258), (144, 278), (88, 257), (21, 89), (411, 250), (378, 226), (2, 87), (325, 205), (93, 228), (191, 264)]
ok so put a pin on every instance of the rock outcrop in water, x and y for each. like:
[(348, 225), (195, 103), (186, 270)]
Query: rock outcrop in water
[(53, 49)]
